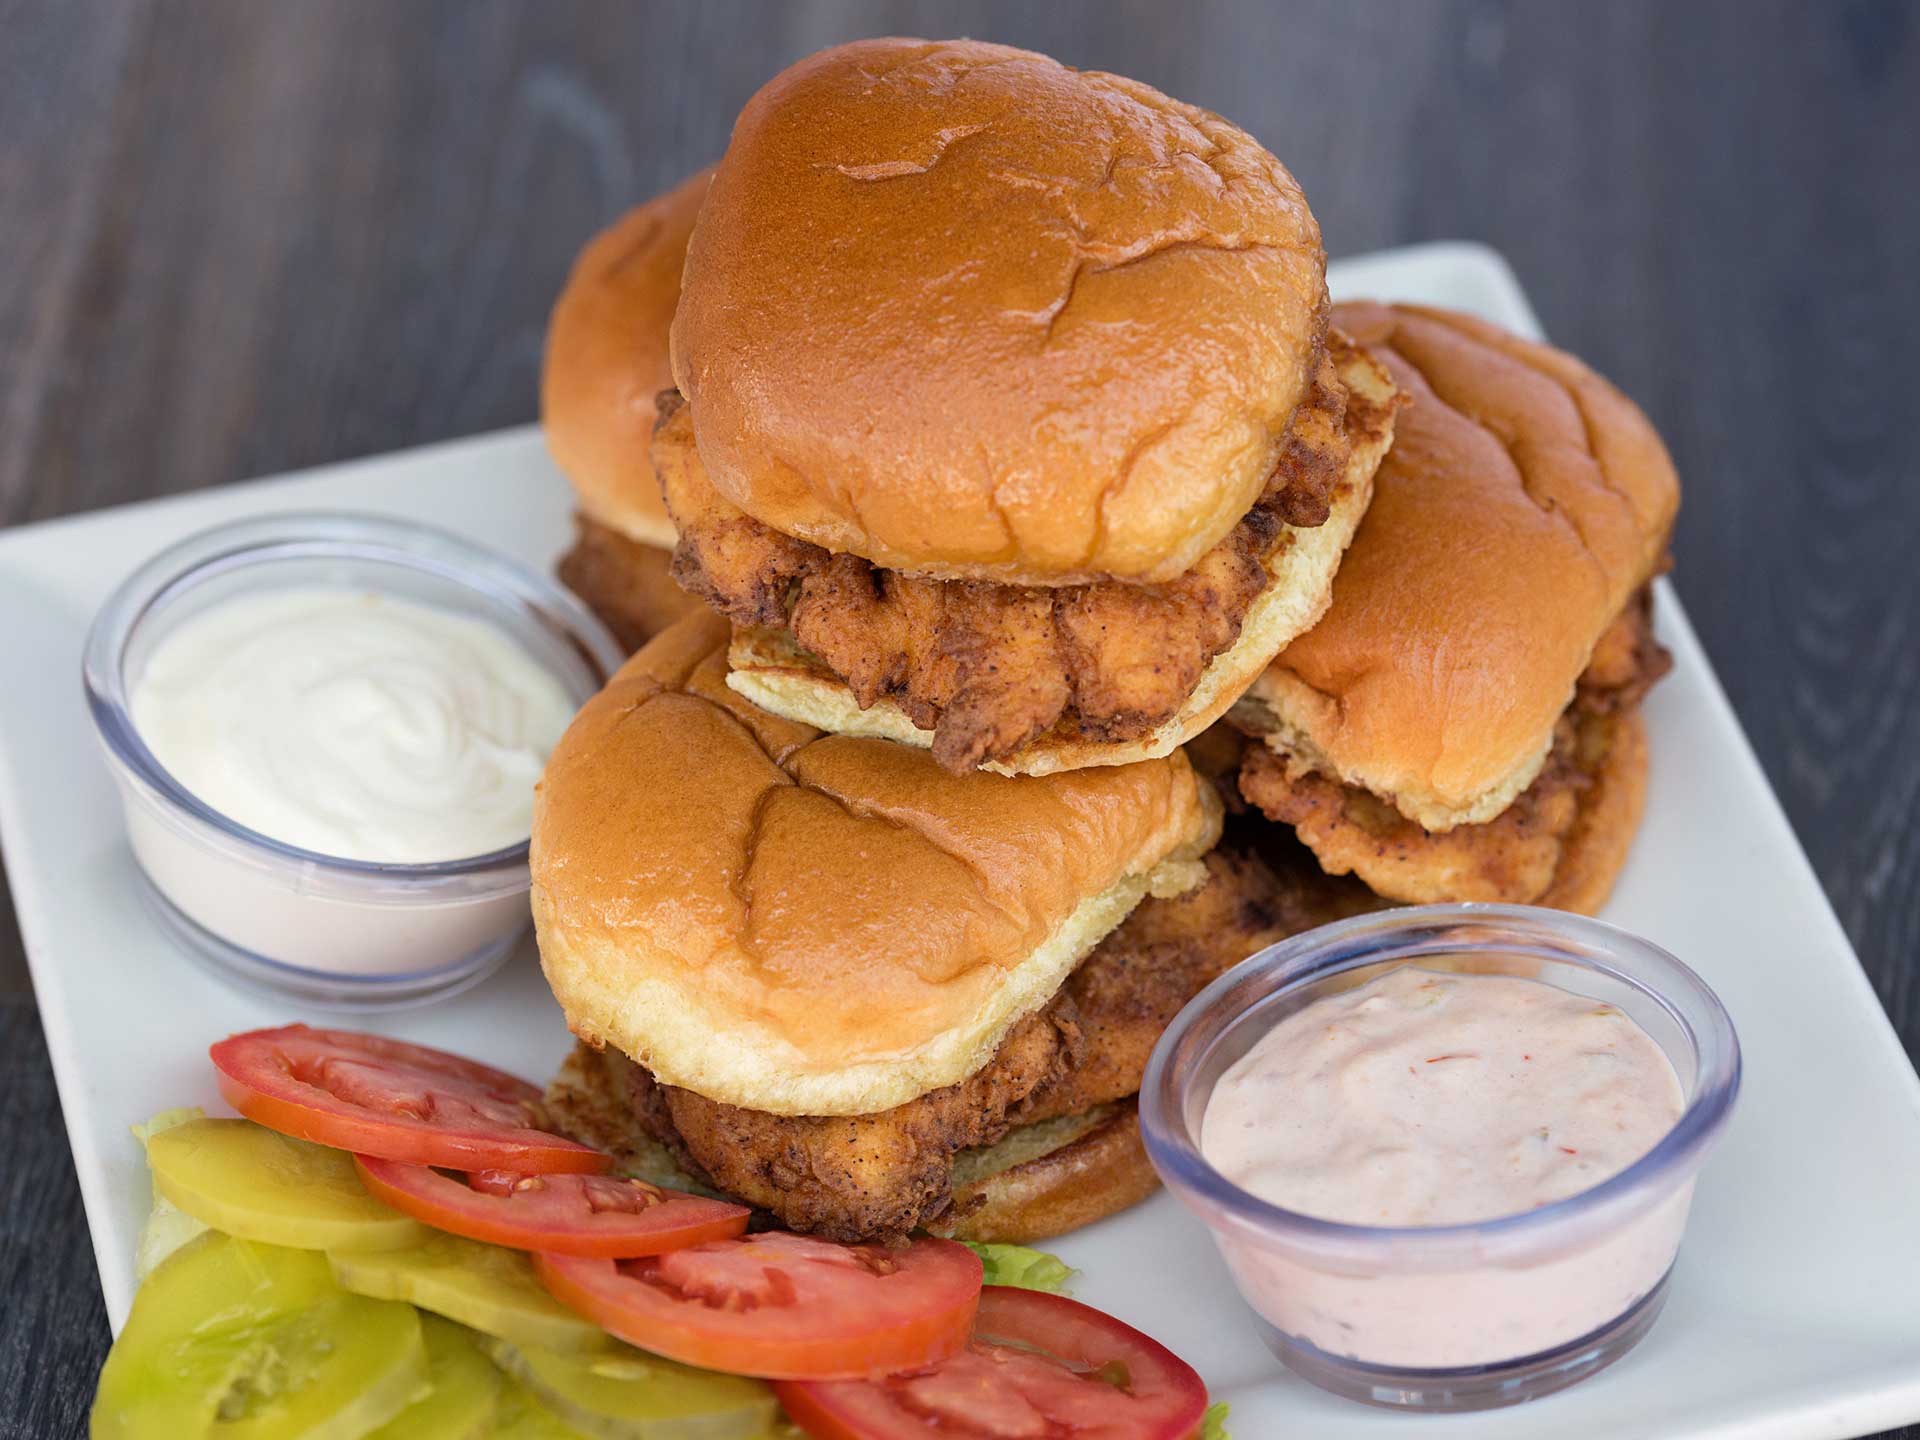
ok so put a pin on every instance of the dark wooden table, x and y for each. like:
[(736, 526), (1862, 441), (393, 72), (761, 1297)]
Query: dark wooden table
[(238, 237)]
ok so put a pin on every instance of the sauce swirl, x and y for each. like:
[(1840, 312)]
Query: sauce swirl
[(361, 726)]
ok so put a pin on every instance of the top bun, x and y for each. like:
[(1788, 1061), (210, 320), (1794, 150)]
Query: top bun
[(822, 925), (1523, 502), (963, 311), (607, 360)]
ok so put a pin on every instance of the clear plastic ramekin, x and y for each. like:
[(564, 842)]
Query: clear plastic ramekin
[(337, 933), (1452, 1317)]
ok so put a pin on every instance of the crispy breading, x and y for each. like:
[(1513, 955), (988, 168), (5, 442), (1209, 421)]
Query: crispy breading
[(733, 562), (1626, 661), (1129, 990), (1517, 856), (990, 667), (624, 582), (861, 1176), (851, 1177)]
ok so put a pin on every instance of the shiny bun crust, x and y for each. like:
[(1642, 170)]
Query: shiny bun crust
[(606, 360), (964, 311), (812, 924), (1523, 501)]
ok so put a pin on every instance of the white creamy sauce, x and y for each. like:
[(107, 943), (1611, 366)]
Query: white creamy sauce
[(1424, 1098), (361, 726)]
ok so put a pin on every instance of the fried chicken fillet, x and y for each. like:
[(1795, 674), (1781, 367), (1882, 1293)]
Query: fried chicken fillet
[(987, 668), (627, 583), (858, 1176)]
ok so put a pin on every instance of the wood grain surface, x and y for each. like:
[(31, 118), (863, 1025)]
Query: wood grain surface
[(243, 237)]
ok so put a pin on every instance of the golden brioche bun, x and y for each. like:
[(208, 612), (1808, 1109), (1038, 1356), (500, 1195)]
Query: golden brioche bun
[(769, 668), (1522, 503), (606, 360), (963, 311), (821, 925)]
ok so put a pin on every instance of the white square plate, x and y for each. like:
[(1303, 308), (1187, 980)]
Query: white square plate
[(1796, 1306)]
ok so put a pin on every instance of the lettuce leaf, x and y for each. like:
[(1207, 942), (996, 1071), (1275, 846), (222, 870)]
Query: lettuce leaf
[(168, 1227), (1025, 1269), (1213, 1425)]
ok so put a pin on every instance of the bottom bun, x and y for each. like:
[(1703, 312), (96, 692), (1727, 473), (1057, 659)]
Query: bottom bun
[(624, 581), (1596, 847), (1048, 1178)]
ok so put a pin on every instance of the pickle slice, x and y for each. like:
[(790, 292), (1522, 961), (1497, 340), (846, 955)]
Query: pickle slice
[(521, 1416), (627, 1394), (486, 1287), (243, 1341), (466, 1389), (252, 1182), (168, 1227)]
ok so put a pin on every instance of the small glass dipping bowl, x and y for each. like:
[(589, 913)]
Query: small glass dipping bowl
[(1452, 1317), (337, 933)]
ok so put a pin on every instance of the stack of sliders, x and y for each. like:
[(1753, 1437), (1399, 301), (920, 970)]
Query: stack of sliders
[(1009, 438), (869, 891)]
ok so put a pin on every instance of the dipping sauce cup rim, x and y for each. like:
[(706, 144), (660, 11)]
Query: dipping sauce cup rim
[(1171, 1113), (497, 584)]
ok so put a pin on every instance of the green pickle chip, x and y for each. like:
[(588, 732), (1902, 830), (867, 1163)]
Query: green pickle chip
[(627, 1394), (247, 1180), (466, 1389), (247, 1333), (168, 1227), (243, 1341), (521, 1416), (485, 1287)]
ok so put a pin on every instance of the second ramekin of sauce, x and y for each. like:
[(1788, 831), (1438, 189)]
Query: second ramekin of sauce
[(1382, 1278), (325, 730)]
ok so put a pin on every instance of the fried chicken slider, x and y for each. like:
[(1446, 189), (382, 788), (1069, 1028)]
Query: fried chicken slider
[(1464, 724), (606, 363), (829, 975), (1013, 424)]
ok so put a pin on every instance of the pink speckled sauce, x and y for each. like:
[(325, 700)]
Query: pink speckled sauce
[(1428, 1099), (1398, 1070)]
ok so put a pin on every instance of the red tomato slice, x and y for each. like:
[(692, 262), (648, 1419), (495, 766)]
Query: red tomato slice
[(1039, 1365), (387, 1098), (600, 1216), (782, 1306)]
